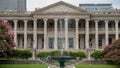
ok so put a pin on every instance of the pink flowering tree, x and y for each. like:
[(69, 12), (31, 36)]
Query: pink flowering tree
[(112, 52), (6, 38)]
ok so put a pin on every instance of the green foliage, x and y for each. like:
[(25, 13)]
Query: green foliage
[(55, 53), (80, 54), (1, 44), (58, 53), (25, 54), (19, 54), (97, 55), (72, 54), (42, 54)]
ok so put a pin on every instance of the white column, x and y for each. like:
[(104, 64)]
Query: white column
[(66, 34), (45, 33), (87, 34), (116, 30), (106, 32), (34, 37), (55, 30), (76, 36), (96, 34), (25, 34), (15, 32), (35, 34)]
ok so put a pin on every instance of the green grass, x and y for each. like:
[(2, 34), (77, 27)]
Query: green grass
[(23, 66), (97, 66), (45, 66)]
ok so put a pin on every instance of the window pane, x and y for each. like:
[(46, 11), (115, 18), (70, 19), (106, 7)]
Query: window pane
[(51, 42), (70, 42)]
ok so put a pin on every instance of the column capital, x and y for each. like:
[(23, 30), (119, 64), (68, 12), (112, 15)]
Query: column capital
[(55, 19), (76, 19), (45, 19), (87, 19), (96, 21), (25, 21), (15, 21), (106, 21), (116, 21), (66, 19)]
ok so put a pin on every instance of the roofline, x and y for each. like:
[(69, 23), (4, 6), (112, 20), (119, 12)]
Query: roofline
[(95, 4)]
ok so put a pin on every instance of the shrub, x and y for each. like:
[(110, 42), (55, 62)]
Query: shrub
[(80, 54), (19, 54), (43, 54), (55, 53), (97, 55), (25, 54), (72, 54)]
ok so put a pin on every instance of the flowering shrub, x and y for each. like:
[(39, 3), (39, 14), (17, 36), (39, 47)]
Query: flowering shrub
[(112, 52), (6, 38)]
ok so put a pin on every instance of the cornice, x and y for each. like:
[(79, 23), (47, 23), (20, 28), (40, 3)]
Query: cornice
[(15, 15)]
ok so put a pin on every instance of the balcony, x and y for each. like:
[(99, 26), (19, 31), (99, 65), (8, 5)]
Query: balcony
[(70, 30), (101, 30), (111, 30), (40, 30), (20, 30), (81, 30)]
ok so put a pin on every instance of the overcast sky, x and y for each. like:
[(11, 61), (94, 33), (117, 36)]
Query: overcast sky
[(32, 4)]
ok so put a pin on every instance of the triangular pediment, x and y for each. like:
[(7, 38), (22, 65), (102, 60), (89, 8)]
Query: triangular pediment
[(60, 7)]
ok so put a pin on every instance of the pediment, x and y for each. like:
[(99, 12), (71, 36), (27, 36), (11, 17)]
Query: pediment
[(60, 7)]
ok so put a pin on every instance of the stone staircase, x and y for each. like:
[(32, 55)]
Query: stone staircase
[(54, 66), (69, 66)]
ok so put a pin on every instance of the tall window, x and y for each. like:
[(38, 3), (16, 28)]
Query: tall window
[(31, 43), (110, 25), (42, 43), (79, 43), (90, 42), (71, 42), (51, 42), (100, 25), (50, 25), (61, 42), (100, 43), (110, 40)]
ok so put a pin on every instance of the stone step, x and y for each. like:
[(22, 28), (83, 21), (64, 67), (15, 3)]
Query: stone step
[(69, 66), (53, 66)]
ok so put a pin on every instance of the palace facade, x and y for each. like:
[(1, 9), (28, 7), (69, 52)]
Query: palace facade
[(82, 30)]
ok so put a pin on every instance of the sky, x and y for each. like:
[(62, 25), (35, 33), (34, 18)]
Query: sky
[(32, 4)]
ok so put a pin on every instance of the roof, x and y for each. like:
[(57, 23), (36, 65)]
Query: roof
[(95, 4)]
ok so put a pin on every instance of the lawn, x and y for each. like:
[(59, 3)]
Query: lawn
[(23, 66), (97, 66), (45, 66)]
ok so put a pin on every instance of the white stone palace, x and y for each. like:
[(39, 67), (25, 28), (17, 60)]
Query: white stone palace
[(83, 30)]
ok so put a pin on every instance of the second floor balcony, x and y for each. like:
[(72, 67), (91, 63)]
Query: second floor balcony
[(80, 30)]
